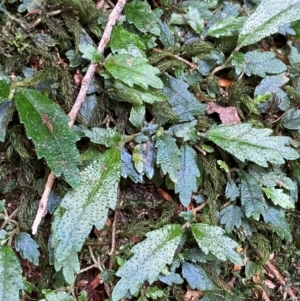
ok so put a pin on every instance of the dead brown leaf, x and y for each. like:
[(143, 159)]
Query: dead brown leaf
[(193, 295), (228, 115)]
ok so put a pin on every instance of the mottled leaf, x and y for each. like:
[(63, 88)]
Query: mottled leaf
[(194, 19), (137, 115), (269, 15), (211, 239), (128, 169), (231, 190), (27, 247), (4, 90), (90, 53), (231, 216), (133, 70), (106, 136), (252, 198), (271, 84), (188, 175), (256, 145), (150, 257), (10, 275), (196, 277), (278, 197), (47, 126), (291, 119), (58, 296), (168, 155)]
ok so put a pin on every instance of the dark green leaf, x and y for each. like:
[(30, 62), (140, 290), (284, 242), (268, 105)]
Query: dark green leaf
[(291, 119), (43, 41), (256, 145), (48, 127), (166, 36), (2, 205), (108, 137), (194, 19), (269, 15), (188, 175), (140, 14), (150, 256), (123, 39), (10, 275), (4, 90), (133, 70), (276, 217), (196, 277), (6, 114), (93, 198), (253, 269), (27, 247), (231, 216), (211, 239), (183, 102), (251, 196), (168, 156)]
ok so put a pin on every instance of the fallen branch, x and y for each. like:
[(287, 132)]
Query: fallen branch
[(42, 210)]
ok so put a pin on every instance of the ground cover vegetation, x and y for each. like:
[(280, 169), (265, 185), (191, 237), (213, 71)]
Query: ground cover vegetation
[(149, 150)]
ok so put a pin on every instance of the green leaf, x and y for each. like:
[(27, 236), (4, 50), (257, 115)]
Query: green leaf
[(138, 159), (269, 15), (187, 131), (195, 20), (276, 217), (4, 90), (2, 205), (258, 63), (196, 277), (10, 275), (128, 169), (278, 178), (48, 127), (231, 191), (123, 39), (166, 36), (137, 115), (256, 145), (253, 268), (27, 247), (291, 119), (108, 137), (87, 205), (188, 175), (211, 239), (154, 293), (150, 257), (58, 296), (226, 27), (278, 197), (231, 216), (137, 95), (183, 102), (140, 14), (252, 198), (168, 156), (133, 71), (90, 53)]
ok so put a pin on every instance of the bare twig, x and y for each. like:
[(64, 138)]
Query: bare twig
[(42, 210), (8, 219), (175, 56), (113, 239)]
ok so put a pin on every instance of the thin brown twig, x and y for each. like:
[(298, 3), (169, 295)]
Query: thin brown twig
[(113, 239), (175, 56), (42, 210), (8, 219)]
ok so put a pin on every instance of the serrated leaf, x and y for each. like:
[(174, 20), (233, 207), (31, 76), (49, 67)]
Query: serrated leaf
[(183, 102), (269, 15), (231, 216), (291, 119), (123, 39), (154, 293), (43, 41), (168, 156), (194, 19), (48, 127), (259, 63), (27, 247), (90, 53), (252, 269), (10, 275), (271, 84), (196, 277), (252, 198), (187, 131), (278, 197), (133, 71), (140, 14), (58, 296), (231, 190), (188, 174), (88, 204), (276, 217), (106, 136), (166, 36), (4, 90), (150, 257), (277, 178), (128, 169), (256, 145), (211, 239), (226, 27)]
